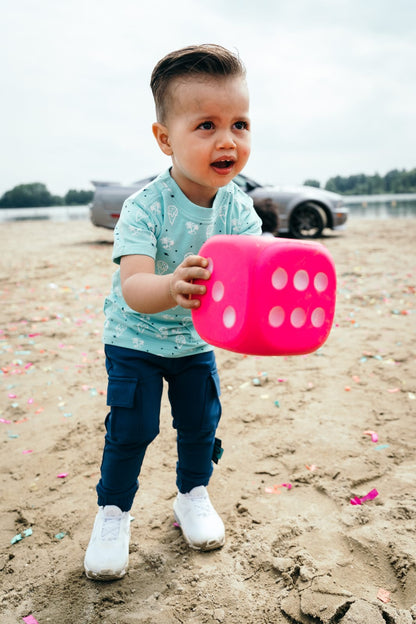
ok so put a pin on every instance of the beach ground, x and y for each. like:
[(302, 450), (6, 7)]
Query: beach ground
[(335, 424)]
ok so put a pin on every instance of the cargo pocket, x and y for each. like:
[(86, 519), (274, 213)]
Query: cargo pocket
[(121, 391), (212, 412), (121, 422), (194, 398)]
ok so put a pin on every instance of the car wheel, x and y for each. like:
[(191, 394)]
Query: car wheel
[(307, 221)]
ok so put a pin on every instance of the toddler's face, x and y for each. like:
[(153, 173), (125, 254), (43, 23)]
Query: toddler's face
[(207, 134)]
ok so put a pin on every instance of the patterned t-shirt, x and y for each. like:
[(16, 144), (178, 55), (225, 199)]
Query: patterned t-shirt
[(161, 222)]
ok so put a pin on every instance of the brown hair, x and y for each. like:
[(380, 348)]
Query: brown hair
[(195, 60)]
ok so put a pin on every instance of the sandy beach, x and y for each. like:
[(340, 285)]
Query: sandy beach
[(323, 429)]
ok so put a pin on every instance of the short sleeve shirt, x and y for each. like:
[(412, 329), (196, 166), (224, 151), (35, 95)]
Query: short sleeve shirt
[(161, 222)]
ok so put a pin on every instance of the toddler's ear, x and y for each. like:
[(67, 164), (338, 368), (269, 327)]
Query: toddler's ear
[(161, 135)]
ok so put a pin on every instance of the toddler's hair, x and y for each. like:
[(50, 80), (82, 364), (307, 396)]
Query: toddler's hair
[(196, 60)]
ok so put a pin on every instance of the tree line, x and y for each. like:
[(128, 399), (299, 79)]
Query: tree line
[(395, 181), (36, 195)]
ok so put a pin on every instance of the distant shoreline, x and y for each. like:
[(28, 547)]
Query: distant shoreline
[(348, 199), (53, 213), (360, 206)]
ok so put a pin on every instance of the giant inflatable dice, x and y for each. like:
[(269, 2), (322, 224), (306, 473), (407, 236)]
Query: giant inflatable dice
[(266, 296)]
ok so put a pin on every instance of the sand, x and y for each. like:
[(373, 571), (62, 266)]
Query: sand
[(303, 554)]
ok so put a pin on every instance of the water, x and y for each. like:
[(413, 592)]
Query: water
[(50, 213), (360, 206), (381, 206)]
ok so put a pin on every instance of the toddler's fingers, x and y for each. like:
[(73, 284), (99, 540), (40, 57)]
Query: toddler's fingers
[(195, 261), (186, 301)]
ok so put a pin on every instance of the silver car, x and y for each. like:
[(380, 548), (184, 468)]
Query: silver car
[(302, 212)]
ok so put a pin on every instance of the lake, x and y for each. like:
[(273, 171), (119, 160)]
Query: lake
[(360, 206), (49, 213), (381, 206)]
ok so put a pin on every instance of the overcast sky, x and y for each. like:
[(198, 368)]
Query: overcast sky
[(332, 83)]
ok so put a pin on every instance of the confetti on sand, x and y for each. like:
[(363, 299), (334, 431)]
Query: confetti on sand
[(359, 501), (383, 595), (313, 423), (20, 536), (30, 619), (275, 489), (373, 434)]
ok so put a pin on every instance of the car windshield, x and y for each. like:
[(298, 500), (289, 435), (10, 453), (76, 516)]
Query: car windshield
[(247, 184)]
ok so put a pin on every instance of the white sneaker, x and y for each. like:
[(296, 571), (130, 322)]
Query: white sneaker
[(107, 555), (201, 526)]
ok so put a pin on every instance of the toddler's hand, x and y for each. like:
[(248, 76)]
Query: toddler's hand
[(181, 286)]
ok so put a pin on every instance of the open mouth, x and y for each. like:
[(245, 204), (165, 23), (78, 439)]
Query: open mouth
[(222, 164)]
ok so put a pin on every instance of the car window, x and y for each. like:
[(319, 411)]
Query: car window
[(246, 184)]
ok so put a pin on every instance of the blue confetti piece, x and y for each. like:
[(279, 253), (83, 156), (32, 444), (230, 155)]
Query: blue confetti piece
[(16, 538), (20, 536)]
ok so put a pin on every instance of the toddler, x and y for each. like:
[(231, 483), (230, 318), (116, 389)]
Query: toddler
[(203, 125)]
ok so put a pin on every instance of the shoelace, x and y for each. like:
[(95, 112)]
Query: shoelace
[(201, 505), (111, 528)]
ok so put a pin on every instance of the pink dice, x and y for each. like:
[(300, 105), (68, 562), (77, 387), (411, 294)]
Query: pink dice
[(266, 296)]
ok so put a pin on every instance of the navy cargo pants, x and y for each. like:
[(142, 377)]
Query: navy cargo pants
[(135, 384)]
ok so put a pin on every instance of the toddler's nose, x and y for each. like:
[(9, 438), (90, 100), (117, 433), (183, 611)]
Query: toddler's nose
[(226, 140)]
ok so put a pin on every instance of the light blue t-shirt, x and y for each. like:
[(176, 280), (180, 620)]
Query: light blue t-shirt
[(159, 221)]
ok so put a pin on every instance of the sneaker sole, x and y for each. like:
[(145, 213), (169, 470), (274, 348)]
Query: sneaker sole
[(204, 546), (105, 575)]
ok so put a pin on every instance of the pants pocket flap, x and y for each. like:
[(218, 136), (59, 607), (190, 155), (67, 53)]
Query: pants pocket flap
[(216, 380), (121, 391)]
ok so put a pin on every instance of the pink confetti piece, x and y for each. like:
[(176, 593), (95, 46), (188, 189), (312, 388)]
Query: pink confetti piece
[(359, 501), (391, 390), (4, 420), (383, 595), (373, 434), (62, 475), (30, 619), (12, 396), (26, 451), (311, 467), (275, 489)]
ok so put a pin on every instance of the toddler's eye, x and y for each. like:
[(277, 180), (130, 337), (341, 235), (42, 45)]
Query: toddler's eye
[(241, 125), (206, 125)]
